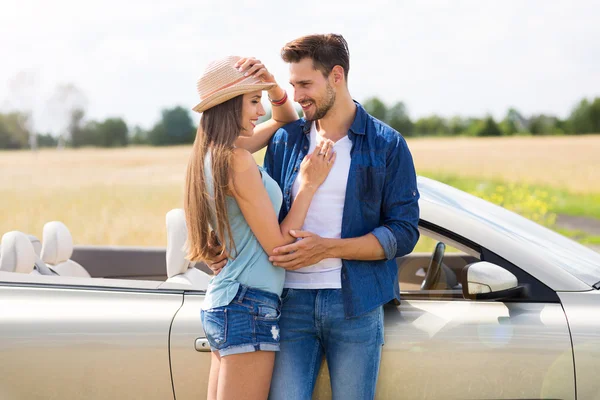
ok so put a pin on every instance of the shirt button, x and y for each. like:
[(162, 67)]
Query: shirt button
[(296, 169), (305, 147)]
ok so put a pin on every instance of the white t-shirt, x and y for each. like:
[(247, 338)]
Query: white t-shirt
[(324, 218)]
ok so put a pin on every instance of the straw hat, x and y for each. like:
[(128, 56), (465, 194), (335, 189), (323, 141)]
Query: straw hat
[(221, 81)]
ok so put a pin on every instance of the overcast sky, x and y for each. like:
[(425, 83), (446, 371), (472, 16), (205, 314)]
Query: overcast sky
[(133, 58)]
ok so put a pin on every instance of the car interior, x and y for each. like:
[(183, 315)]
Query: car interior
[(433, 270)]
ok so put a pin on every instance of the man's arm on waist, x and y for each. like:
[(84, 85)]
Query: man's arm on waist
[(314, 248)]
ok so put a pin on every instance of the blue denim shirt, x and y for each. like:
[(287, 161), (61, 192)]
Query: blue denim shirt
[(381, 198)]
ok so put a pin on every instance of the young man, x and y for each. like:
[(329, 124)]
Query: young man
[(365, 215)]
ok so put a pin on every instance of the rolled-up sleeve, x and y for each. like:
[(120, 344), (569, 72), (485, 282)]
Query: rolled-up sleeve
[(400, 204), (387, 240)]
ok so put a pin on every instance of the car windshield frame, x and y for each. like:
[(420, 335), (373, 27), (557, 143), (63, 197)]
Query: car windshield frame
[(573, 257)]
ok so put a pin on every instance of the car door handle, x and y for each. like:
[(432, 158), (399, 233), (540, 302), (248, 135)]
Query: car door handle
[(202, 344)]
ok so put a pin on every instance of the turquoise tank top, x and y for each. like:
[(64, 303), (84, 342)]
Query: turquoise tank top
[(251, 265)]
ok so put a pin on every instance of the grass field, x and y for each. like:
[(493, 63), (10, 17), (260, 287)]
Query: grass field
[(120, 197)]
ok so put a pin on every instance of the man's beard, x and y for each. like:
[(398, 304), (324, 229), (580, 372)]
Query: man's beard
[(326, 106)]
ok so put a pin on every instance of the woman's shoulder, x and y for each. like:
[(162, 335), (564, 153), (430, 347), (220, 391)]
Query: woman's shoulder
[(242, 160)]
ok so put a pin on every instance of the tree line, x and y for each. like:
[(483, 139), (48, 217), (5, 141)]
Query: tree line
[(175, 126), (584, 118)]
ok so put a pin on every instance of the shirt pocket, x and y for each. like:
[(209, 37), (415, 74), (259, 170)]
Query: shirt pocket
[(370, 182)]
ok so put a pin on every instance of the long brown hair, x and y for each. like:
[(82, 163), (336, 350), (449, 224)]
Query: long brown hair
[(219, 128)]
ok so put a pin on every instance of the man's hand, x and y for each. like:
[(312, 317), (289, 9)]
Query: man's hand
[(219, 258), (308, 251)]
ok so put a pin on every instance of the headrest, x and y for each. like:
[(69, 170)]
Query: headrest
[(40, 266), (18, 254), (176, 238), (37, 245), (57, 242)]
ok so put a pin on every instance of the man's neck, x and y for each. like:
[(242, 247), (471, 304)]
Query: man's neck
[(339, 119)]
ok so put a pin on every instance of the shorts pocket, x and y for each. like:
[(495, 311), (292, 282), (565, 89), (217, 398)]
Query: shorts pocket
[(268, 313), (214, 323)]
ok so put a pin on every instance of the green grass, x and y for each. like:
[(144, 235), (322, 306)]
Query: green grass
[(580, 236)]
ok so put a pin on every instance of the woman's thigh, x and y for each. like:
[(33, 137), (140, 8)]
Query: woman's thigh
[(245, 375)]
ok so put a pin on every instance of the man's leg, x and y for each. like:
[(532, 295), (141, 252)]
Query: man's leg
[(299, 359), (353, 349)]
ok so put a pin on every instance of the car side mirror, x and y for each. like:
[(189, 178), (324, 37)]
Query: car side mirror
[(486, 281)]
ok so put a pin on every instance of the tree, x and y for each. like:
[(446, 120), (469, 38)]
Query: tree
[(138, 136), (67, 106), (488, 127), (397, 117), (13, 130), (112, 133), (75, 128), (431, 125), (376, 108), (46, 140), (595, 115), (544, 125), (585, 117), (175, 127), (457, 126), (513, 123)]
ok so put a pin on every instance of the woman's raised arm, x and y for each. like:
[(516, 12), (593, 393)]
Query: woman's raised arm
[(282, 109)]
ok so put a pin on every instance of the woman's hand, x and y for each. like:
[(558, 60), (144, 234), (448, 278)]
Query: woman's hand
[(252, 66), (316, 166)]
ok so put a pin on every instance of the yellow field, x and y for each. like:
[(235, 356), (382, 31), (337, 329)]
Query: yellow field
[(571, 163), (120, 197)]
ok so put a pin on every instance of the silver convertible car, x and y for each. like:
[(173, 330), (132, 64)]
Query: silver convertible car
[(501, 308)]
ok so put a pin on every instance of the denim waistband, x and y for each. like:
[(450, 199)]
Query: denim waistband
[(256, 295)]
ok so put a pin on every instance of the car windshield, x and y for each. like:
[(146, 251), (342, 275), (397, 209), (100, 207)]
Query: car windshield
[(578, 260)]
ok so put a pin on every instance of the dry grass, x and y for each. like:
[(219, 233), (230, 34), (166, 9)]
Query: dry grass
[(565, 162), (117, 197), (120, 197)]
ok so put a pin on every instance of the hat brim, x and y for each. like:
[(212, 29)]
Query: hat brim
[(229, 93)]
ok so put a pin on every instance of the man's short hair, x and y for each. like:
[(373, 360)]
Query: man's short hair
[(326, 51)]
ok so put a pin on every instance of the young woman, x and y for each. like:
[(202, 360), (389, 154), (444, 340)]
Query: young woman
[(228, 193)]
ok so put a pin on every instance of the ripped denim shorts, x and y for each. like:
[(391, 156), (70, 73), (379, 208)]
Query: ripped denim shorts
[(249, 323)]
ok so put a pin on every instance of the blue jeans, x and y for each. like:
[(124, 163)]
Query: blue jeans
[(313, 325)]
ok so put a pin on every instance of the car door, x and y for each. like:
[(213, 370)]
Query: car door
[(81, 340), (439, 345)]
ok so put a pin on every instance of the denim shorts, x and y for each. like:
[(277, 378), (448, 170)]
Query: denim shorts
[(249, 323)]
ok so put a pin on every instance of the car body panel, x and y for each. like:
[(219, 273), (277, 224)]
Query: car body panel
[(81, 343), (583, 314), (473, 350), (190, 367)]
